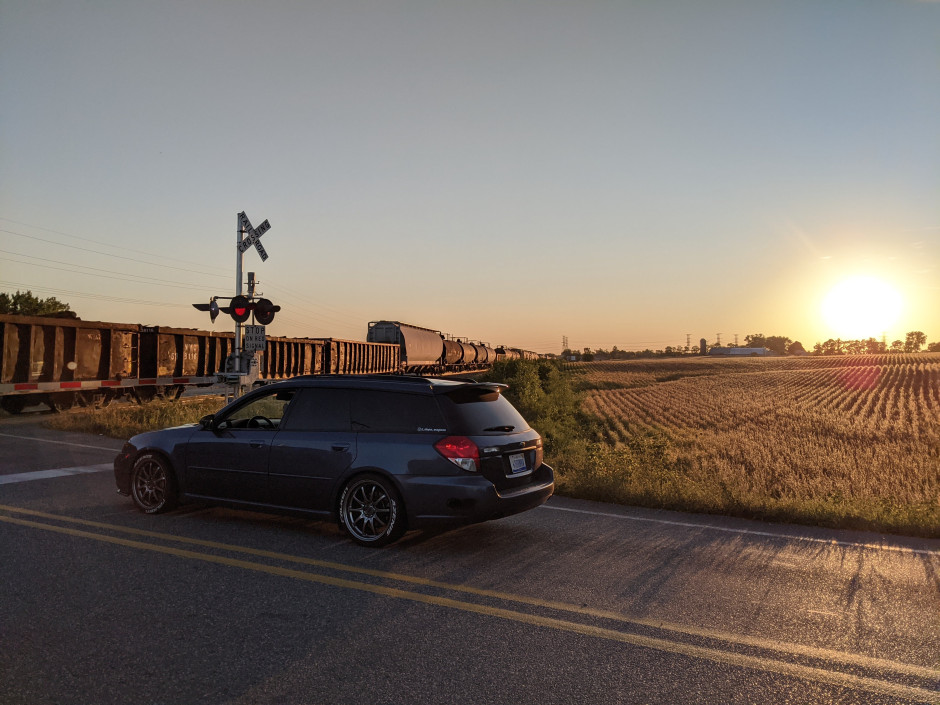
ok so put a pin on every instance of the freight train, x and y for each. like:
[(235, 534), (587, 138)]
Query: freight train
[(62, 362)]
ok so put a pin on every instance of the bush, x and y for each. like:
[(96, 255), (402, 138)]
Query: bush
[(542, 392)]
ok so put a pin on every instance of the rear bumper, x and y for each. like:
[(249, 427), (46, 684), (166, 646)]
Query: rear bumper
[(467, 499)]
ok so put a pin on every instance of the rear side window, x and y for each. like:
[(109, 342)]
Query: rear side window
[(319, 410), (394, 412), (476, 410)]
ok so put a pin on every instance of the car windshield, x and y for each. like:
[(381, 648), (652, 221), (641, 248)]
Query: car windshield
[(479, 410)]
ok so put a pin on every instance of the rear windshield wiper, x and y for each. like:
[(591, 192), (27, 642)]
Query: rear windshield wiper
[(499, 428)]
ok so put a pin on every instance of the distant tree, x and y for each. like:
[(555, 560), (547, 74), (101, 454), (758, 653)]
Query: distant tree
[(897, 346), (796, 348), (755, 340), (830, 347), (855, 347), (25, 304), (915, 340), (933, 347), (777, 343)]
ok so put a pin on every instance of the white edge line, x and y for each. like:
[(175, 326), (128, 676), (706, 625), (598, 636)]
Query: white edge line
[(750, 532), (46, 474), (61, 443)]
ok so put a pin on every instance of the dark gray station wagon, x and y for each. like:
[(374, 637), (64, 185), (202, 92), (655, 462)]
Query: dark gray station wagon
[(380, 454)]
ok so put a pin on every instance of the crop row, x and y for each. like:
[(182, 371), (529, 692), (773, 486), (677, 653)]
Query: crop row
[(800, 428)]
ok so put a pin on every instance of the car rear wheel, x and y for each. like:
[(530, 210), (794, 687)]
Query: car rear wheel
[(153, 487), (370, 511)]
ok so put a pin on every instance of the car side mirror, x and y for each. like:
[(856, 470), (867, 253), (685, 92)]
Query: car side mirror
[(208, 422)]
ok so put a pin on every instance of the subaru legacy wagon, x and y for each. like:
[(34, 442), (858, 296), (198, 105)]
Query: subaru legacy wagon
[(379, 454)]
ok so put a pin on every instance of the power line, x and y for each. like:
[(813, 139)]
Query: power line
[(109, 274), (105, 254), (83, 295), (96, 242)]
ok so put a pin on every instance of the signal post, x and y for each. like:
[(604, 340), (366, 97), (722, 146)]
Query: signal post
[(241, 363)]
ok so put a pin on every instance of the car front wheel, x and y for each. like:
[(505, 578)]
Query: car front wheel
[(370, 511), (152, 484)]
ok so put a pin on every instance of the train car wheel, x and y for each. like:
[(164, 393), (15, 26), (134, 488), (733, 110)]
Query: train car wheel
[(61, 401), (13, 404), (144, 395)]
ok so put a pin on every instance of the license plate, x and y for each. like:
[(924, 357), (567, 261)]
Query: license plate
[(517, 463)]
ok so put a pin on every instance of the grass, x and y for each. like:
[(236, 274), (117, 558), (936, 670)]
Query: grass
[(125, 420)]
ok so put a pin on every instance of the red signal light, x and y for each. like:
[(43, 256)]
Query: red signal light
[(240, 309), (264, 311)]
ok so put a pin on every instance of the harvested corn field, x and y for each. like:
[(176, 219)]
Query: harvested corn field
[(849, 441)]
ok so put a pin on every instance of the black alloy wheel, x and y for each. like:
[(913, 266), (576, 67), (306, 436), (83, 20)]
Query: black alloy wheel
[(371, 512), (153, 487)]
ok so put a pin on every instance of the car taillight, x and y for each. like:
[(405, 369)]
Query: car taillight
[(461, 451)]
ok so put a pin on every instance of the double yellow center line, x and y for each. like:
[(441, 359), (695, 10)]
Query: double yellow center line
[(675, 645)]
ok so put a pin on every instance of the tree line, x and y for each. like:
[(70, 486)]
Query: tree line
[(778, 344), (25, 304)]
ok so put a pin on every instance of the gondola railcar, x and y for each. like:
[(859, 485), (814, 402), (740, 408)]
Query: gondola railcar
[(62, 361)]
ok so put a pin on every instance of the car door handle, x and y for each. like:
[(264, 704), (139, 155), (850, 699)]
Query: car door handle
[(258, 444), (341, 447)]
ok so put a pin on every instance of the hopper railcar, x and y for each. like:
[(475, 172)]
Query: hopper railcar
[(428, 351)]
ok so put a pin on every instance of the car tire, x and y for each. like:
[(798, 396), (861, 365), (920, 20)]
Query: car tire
[(153, 485), (371, 511)]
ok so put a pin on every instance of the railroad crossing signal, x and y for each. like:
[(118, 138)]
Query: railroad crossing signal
[(239, 309), (254, 235), (264, 311), (212, 307)]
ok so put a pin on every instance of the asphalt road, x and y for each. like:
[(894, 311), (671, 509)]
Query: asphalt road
[(574, 602)]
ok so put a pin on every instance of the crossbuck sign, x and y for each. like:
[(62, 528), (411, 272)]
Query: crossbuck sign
[(254, 235)]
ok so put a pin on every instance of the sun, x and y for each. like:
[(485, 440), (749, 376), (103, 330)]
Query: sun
[(861, 307)]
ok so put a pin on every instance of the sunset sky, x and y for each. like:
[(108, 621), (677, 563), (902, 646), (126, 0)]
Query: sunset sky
[(621, 173)]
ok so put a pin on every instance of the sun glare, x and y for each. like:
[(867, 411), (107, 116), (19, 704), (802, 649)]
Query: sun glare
[(861, 307)]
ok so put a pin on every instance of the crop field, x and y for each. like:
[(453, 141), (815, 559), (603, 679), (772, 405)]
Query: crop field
[(848, 441)]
